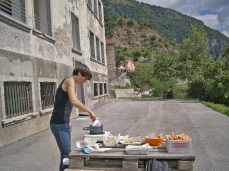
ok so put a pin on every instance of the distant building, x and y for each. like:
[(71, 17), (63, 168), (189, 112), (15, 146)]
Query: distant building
[(111, 64), (142, 59), (127, 65), (41, 41)]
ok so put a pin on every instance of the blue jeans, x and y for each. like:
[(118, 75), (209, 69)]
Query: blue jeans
[(62, 135)]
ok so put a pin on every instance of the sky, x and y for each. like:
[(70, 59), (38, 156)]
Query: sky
[(214, 13)]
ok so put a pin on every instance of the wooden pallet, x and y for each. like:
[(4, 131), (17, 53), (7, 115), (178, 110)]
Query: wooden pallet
[(118, 159)]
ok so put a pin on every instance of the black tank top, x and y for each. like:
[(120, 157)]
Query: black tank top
[(62, 107)]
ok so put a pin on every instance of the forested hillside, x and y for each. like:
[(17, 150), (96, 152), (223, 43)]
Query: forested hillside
[(168, 23)]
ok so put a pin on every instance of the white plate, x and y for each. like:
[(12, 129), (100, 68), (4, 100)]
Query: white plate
[(130, 143)]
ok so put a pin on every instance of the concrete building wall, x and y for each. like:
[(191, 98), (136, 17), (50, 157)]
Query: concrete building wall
[(30, 55)]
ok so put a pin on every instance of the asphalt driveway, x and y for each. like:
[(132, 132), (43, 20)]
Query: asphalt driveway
[(207, 128)]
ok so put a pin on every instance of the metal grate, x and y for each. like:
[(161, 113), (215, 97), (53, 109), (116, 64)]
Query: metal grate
[(17, 98), (47, 94), (15, 10), (43, 26)]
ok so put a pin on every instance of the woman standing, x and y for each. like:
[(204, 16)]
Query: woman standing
[(65, 99)]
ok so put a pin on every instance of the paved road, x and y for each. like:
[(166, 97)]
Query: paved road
[(207, 128)]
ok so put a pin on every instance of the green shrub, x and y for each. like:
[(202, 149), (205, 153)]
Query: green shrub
[(217, 107)]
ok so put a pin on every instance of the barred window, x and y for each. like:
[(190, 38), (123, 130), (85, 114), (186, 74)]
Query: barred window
[(47, 94), (17, 98), (95, 89), (43, 16), (92, 45), (14, 8), (101, 88), (105, 88)]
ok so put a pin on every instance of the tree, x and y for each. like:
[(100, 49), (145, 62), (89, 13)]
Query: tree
[(225, 57)]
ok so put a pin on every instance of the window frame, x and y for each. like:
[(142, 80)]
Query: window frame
[(43, 21), (75, 33), (102, 52), (98, 47), (105, 88), (14, 9), (101, 91), (100, 11), (52, 96), (92, 44), (17, 91), (95, 83)]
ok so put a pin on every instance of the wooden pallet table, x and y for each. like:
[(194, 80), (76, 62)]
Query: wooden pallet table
[(118, 159)]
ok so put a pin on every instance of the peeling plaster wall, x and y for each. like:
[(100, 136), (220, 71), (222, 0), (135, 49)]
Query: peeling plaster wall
[(15, 40), (28, 56)]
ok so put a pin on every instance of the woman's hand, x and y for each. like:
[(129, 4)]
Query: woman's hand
[(92, 116), (70, 126)]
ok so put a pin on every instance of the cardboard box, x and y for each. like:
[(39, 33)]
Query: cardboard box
[(178, 146)]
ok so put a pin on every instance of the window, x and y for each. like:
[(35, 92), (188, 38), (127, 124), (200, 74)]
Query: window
[(47, 94), (75, 33), (100, 88), (43, 16), (100, 12), (17, 96), (102, 52), (95, 7), (92, 45), (95, 89), (14, 8), (105, 88), (90, 3), (98, 48)]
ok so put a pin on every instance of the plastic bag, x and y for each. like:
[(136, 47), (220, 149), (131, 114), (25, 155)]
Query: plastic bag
[(154, 165)]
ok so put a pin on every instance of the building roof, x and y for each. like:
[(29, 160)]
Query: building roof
[(110, 42)]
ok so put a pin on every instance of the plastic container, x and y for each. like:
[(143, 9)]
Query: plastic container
[(154, 141), (178, 146), (131, 149), (110, 141)]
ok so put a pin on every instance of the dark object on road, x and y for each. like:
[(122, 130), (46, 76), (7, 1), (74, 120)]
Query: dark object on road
[(167, 95)]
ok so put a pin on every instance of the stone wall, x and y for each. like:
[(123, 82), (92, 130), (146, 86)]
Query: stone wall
[(123, 92)]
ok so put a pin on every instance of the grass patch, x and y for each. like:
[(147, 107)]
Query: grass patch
[(217, 107)]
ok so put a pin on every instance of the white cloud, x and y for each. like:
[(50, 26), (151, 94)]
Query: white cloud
[(209, 20), (219, 20), (226, 33)]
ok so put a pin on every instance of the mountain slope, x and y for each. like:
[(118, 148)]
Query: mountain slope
[(167, 22)]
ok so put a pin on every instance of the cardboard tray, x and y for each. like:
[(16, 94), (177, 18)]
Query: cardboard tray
[(178, 146)]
